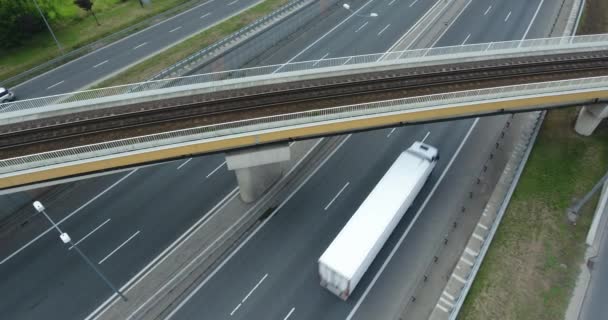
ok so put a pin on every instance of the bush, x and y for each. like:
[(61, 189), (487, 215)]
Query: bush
[(19, 19)]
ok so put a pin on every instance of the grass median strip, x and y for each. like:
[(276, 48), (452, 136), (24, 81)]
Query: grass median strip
[(153, 65)]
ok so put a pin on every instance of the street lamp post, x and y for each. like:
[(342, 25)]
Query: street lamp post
[(48, 26), (65, 238), (347, 7)]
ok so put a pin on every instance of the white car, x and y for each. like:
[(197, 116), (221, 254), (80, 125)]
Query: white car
[(6, 95)]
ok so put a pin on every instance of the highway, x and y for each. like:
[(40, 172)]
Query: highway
[(160, 202), (274, 275), (156, 204), (121, 54), (152, 206)]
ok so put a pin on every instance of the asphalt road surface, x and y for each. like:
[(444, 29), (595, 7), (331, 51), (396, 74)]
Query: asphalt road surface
[(117, 56), (151, 207), (274, 275)]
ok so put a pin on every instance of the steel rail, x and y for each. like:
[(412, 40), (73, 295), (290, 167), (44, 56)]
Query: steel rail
[(398, 83)]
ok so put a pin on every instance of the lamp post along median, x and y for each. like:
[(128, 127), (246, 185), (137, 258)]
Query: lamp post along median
[(65, 238), (48, 26)]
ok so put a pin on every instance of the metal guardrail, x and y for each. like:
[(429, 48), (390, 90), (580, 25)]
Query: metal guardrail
[(126, 146), (107, 40), (408, 56)]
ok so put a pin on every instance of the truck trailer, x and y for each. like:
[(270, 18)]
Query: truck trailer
[(352, 251)]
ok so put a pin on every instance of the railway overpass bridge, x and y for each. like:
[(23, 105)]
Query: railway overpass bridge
[(77, 134)]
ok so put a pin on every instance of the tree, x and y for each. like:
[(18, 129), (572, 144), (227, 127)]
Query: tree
[(87, 5), (18, 21)]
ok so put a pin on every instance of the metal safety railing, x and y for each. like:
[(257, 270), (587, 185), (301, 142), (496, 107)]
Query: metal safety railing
[(592, 42), (278, 122)]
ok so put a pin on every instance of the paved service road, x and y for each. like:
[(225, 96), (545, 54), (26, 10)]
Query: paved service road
[(108, 60), (274, 275)]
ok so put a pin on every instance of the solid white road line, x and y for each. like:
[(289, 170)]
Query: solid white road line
[(323, 57), (413, 3), (356, 12), (205, 15), (446, 301), (444, 309), (256, 286), (336, 196), (183, 164), (459, 278), (88, 234), (56, 84), (361, 27), (100, 64), (533, 19), (68, 216), (426, 136), (140, 45), (289, 314), (167, 253), (471, 252), (216, 169), (465, 40), (489, 8), (508, 16), (482, 226), (235, 309), (452, 23), (175, 29), (384, 29), (409, 227), (449, 296), (467, 261), (118, 248), (260, 226), (233, 2), (390, 133)]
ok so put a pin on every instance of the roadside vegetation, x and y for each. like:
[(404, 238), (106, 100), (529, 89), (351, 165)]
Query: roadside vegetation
[(533, 263), (153, 65), (26, 42)]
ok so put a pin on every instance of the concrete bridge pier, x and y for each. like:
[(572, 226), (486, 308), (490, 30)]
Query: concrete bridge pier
[(257, 168), (589, 118)]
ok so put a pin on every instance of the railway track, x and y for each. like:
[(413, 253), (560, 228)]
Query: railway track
[(231, 105)]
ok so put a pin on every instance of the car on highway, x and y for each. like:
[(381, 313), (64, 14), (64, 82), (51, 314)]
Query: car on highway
[(6, 95)]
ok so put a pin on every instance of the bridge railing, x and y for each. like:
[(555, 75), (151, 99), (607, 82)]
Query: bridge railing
[(471, 50), (128, 146)]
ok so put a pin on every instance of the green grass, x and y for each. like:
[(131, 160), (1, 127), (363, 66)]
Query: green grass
[(531, 268), (75, 29), (146, 69)]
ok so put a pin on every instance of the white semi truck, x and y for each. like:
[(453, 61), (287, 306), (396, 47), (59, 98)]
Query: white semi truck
[(350, 254)]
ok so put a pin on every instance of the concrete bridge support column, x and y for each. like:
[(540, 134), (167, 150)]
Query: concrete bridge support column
[(589, 118), (257, 169)]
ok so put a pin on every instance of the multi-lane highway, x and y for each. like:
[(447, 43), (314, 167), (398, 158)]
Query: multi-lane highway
[(119, 55), (120, 221), (274, 275), (123, 221)]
